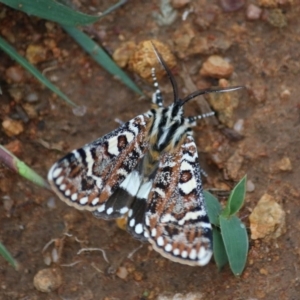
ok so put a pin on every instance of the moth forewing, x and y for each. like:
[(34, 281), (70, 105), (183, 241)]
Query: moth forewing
[(176, 221), (87, 177)]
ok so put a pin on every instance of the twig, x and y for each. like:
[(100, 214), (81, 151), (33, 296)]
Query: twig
[(94, 249), (71, 264)]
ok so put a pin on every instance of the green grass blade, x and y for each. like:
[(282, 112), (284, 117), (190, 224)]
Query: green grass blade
[(13, 163), (5, 253), (30, 68), (53, 11), (113, 7), (101, 57), (220, 254), (236, 243), (236, 198), (213, 207)]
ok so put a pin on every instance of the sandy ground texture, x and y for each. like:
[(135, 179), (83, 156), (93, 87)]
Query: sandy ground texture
[(256, 46)]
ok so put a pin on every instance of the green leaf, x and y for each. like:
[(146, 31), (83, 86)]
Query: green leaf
[(53, 11), (101, 57), (220, 255), (4, 252), (236, 198), (213, 207), (30, 68), (236, 242), (13, 163)]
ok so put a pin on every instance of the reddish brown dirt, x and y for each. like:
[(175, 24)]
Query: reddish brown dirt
[(265, 59)]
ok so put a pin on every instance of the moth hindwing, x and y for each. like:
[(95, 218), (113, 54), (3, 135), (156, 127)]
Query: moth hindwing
[(148, 170)]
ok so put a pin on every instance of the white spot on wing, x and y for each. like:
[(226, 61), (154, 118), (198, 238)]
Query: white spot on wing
[(184, 254), (147, 221), (194, 216), (62, 187), (176, 251), (166, 218), (59, 180), (138, 228), (153, 232), (99, 183), (113, 146), (131, 183), (160, 241), (204, 256), (90, 161), (132, 222), (101, 208), (83, 200), (74, 197), (144, 190), (168, 247), (56, 172), (109, 211), (159, 192), (95, 201), (123, 210), (193, 254)]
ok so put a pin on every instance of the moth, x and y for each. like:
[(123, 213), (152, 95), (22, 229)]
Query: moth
[(147, 170)]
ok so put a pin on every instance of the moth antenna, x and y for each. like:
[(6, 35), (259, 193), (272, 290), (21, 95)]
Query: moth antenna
[(209, 91), (168, 71)]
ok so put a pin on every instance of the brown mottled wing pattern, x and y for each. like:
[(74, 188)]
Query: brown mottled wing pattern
[(87, 177), (176, 221)]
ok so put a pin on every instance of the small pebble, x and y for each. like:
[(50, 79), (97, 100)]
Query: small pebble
[(23, 116), (144, 59), (30, 110), (267, 219), (48, 280), (14, 147), (12, 127), (263, 271), (55, 255), (7, 203), (122, 54), (179, 3), (17, 93), (276, 18), (32, 97), (167, 14), (47, 260), (285, 95), (274, 3), (179, 296), (79, 111), (285, 164), (51, 203), (253, 12), (15, 74), (36, 53), (232, 5), (250, 187), (239, 126), (122, 272), (233, 165), (138, 276), (217, 67), (259, 93)]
